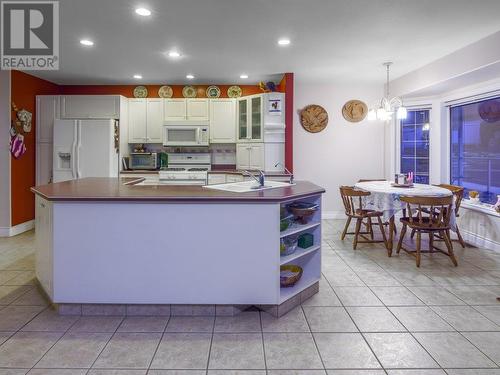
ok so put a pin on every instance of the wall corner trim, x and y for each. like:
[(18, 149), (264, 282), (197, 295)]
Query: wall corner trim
[(17, 229)]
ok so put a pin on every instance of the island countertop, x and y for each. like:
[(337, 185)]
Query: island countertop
[(123, 189)]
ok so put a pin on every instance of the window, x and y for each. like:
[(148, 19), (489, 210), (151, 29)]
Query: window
[(475, 147), (415, 145)]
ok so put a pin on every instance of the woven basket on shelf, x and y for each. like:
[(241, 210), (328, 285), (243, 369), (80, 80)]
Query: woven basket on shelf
[(290, 281)]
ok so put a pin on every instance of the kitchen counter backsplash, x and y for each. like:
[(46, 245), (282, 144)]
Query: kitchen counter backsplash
[(224, 154)]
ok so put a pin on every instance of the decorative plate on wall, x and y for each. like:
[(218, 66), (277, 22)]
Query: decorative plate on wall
[(189, 92), (165, 92), (213, 92), (490, 110), (354, 110), (140, 92), (314, 118), (234, 92)]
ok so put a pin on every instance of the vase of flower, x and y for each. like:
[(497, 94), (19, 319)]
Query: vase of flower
[(497, 205)]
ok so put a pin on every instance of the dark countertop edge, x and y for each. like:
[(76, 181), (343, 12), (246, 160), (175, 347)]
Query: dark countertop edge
[(178, 199)]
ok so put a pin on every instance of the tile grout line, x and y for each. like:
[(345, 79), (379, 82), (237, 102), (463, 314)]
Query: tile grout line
[(314, 339), (157, 345), (408, 331), (263, 344)]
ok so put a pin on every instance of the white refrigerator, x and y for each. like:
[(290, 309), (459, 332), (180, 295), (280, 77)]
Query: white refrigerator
[(85, 148)]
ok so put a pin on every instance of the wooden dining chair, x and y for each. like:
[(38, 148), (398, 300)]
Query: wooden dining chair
[(386, 223), (354, 209), (427, 215), (458, 193)]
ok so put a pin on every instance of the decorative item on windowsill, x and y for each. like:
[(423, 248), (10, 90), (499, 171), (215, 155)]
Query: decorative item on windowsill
[(388, 106), (496, 207), (313, 118), (474, 197)]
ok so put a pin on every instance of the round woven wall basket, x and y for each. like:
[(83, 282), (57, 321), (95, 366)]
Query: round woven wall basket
[(314, 118)]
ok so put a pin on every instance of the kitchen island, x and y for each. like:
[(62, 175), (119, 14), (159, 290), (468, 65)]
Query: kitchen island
[(111, 241)]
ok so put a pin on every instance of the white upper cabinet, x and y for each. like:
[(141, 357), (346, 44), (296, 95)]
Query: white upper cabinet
[(90, 107), (250, 118), (186, 109), (47, 110), (197, 109), (250, 156), (154, 120), (137, 120), (175, 109), (222, 121)]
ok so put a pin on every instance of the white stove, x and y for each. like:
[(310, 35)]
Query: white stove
[(186, 169)]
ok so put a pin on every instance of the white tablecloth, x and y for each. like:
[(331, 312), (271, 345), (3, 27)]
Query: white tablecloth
[(385, 198)]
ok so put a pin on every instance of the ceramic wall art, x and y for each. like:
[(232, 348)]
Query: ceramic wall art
[(354, 110), (213, 92), (313, 118), (165, 92), (140, 92), (25, 117), (189, 92), (234, 92)]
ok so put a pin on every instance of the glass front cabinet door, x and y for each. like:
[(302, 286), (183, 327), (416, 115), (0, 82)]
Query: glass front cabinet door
[(242, 119), (250, 119)]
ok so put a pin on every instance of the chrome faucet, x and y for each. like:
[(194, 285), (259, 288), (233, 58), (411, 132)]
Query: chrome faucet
[(261, 179), (286, 170)]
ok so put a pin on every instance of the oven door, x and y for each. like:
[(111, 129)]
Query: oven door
[(185, 135)]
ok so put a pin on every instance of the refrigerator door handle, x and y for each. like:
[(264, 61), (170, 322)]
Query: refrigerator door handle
[(78, 147), (74, 151)]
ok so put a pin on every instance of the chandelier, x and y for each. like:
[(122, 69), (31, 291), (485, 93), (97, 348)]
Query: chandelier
[(388, 106)]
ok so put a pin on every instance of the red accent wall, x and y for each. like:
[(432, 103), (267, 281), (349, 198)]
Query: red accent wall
[(24, 89), (128, 90)]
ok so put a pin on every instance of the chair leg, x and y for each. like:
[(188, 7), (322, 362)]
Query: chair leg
[(449, 245), (431, 241), (382, 229), (348, 222), (460, 239), (356, 233), (412, 234), (370, 228), (401, 238), (419, 235)]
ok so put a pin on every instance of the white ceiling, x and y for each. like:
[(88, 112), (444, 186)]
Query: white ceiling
[(332, 40)]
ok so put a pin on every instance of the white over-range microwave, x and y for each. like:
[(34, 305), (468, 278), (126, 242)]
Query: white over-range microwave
[(185, 135)]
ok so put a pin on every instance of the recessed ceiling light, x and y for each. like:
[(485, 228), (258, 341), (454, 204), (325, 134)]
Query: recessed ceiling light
[(137, 76), (174, 54), (143, 12), (284, 42), (86, 42), (244, 76), (190, 76)]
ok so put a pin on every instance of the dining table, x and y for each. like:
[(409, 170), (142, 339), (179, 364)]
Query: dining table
[(385, 197)]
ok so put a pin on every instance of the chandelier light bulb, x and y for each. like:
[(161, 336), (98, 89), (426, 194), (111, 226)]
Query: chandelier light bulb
[(372, 115), (401, 113)]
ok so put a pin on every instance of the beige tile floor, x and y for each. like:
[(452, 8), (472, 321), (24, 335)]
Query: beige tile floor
[(373, 315)]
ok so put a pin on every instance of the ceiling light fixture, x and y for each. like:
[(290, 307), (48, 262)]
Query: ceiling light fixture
[(143, 12), (174, 54), (284, 42), (86, 42), (244, 76), (388, 106), (190, 76), (137, 76)]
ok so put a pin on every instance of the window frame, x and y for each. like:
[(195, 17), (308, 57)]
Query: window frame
[(397, 126)]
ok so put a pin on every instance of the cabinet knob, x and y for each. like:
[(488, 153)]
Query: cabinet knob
[(42, 205)]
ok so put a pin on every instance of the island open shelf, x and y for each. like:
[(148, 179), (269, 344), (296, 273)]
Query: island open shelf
[(169, 245)]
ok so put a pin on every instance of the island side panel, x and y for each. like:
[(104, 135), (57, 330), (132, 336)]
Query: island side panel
[(155, 253)]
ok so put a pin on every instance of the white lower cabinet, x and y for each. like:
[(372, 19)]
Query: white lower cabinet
[(43, 241), (250, 156)]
